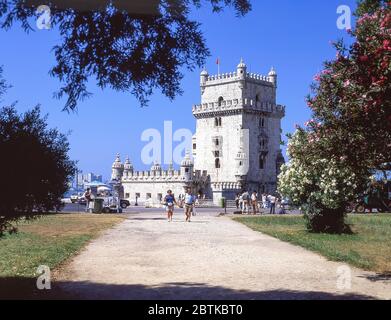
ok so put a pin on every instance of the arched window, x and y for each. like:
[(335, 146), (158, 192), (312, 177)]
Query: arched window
[(261, 161), (262, 122), (257, 98), (217, 163), (220, 101), (218, 122)]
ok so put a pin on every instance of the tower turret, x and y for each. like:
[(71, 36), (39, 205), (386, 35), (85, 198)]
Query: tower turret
[(241, 69), (128, 167), (273, 76), (203, 78), (117, 169), (187, 167)]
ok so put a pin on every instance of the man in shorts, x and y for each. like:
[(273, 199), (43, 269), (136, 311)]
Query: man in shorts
[(189, 202), (169, 201)]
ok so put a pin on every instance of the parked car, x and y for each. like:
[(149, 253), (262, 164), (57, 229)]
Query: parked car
[(74, 198), (124, 203), (82, 201), (112, 205), (376, 199)]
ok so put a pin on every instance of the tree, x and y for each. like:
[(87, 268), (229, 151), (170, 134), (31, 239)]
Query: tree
[(3, 85), (352, 96), (321, 186), (350, 129), (121, 48), (35, 167)]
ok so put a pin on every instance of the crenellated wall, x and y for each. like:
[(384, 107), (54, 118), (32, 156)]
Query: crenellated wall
[(233, 76), (238, 104)]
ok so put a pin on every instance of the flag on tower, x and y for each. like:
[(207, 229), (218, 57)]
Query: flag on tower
[(218, 65)]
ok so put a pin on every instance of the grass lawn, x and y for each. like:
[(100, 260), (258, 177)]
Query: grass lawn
[(368, 248), (49, 241)]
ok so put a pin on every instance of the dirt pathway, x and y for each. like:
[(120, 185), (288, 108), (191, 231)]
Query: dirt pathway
[(145, 257)]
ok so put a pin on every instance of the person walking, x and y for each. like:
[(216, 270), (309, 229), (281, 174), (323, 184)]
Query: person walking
[(273, 200), (88, 196), (245, 196), (264, 201), (254, 202), (237, 200), (169, 201), (189, 202), (240, 201)]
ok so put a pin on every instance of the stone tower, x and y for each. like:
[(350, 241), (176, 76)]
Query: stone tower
[(238, 132), (117, 169)]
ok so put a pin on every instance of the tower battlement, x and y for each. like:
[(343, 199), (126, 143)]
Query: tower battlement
[(233, 76), (238, 105), (163, 175)]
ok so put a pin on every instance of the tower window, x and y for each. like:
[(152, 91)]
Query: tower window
[(216, 154), (218, 122), (261, 162), (262, 122), (220, 101), (217, 142), (257, 99), (217, 163), (194, 146)]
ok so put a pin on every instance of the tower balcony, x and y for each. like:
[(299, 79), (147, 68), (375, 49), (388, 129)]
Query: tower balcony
[(236, 106)]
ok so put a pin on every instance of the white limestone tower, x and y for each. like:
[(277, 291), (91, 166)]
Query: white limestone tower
[(236, 105), (117, 169)]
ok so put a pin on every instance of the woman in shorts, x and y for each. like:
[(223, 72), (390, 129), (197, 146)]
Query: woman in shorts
[(169, 201)]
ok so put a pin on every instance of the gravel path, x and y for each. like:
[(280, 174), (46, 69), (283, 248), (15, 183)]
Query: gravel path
[(145, 257)]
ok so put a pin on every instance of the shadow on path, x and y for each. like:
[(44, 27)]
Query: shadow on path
[(25, 288), (379, 277)]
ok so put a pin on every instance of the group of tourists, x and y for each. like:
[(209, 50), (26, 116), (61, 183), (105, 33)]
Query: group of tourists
[(186, 201), (247, 203)]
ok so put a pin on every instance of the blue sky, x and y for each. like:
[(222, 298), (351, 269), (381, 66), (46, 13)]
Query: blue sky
[(292, 36)]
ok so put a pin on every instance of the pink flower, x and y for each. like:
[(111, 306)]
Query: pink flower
[(346, 83), (364, 58)]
